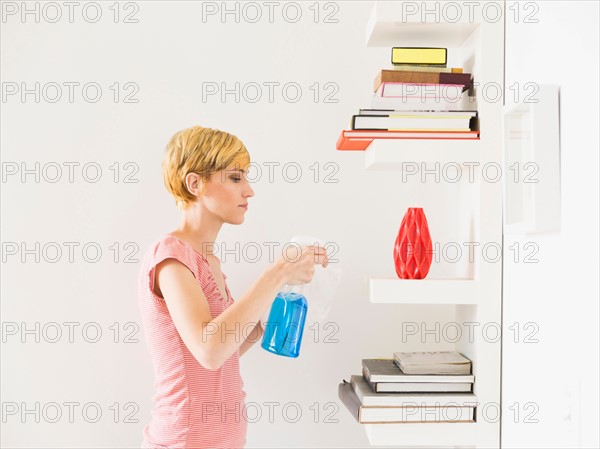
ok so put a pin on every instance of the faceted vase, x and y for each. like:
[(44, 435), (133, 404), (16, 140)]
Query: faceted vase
[(413, 249)]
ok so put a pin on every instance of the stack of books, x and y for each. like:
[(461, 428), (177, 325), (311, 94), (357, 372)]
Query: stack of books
[(419, 98), (413, 387)]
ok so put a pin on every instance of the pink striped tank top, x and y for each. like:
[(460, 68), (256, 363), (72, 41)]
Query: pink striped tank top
[(193, 407)]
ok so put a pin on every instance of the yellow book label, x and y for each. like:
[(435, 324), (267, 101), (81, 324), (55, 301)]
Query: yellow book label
[(402, 55)]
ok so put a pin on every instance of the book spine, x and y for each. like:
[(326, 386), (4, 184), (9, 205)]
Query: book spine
[(463, 103), (347, 144), (416, 68), (429, 56), (366, 373), (347, 396), (456, 78), (374, 414), (407, 77), (415, 77), (437, 92)]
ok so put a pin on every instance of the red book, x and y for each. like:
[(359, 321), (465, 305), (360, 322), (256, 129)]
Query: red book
[(346, 144), (359, 140)]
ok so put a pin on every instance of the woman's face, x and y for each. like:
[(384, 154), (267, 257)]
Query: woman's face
[(226, 195)]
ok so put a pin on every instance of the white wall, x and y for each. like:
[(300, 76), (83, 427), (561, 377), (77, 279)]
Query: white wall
[(555, 381), (169, 53)]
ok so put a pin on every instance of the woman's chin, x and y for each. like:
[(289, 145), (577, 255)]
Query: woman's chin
[(236, 220)]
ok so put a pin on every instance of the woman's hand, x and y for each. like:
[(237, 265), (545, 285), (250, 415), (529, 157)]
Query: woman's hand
[(297, 264)]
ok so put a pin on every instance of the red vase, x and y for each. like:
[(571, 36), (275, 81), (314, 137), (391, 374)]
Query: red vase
[(413, 249)]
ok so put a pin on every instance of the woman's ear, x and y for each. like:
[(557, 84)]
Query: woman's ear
[(193, 183)]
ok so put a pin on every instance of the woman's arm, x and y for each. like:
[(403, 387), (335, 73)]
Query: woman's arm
[(253, 337), (213, 341)]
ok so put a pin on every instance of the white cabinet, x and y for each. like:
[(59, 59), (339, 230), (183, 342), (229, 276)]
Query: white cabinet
[(473, 32)]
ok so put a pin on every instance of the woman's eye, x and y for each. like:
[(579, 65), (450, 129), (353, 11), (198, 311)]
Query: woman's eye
[(236, 179)]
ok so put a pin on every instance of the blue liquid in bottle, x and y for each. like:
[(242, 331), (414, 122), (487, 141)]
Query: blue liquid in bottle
[(285, 326)]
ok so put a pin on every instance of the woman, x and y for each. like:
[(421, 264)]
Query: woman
[(192, 324)]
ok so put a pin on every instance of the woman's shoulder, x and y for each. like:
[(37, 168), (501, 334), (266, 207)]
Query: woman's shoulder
[(169, 240), (168, 245)]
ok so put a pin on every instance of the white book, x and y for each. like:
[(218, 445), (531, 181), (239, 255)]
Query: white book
[(369, 398), (372, 415), (436, 362), (421, 387), (413, 123), (441, 92), (418, 112), (463, 103), (416, 414), (383, 134)]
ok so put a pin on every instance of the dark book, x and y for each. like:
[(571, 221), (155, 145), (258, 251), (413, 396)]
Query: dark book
[(420, 387), (385, 370), (369, 398), (409, 121)]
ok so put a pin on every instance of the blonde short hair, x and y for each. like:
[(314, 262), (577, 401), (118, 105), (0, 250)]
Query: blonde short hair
[(203, 151)]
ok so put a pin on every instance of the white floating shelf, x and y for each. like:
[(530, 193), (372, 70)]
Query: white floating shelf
[(392, 25), (395, 154), (422, 434), (423, 291)]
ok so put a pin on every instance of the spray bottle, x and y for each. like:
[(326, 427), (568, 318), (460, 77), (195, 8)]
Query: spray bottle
[(285, 325)]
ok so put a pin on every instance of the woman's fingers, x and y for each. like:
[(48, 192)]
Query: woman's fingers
[(319, 255)]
